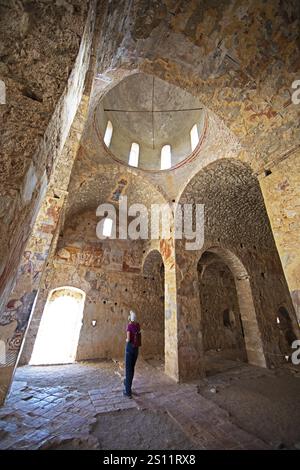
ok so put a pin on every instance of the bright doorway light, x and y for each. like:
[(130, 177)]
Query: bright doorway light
[(107, 227), (165, 156), (59, 330), (108, 133), (194, 137), (134, 155)]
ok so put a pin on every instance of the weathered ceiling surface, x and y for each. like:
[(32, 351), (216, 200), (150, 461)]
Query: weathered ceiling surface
[(239, 58), (94, 161), (152, 113), (234, 208), (107, 186), (39, 42)]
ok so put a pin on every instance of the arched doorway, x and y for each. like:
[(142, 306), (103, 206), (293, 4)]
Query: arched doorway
[(154, 325), (221, 324), (286, 333), (228, 318), (60, 326)]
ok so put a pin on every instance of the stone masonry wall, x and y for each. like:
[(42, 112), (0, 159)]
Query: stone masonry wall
[(217, 295), (235, 221)]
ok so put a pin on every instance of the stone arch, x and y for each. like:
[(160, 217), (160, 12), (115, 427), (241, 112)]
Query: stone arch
[(151, 259), (236, 225), (114, 183), (252, 335)]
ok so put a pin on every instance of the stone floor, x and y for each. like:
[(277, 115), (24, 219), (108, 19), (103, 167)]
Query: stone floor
[(81, 406)]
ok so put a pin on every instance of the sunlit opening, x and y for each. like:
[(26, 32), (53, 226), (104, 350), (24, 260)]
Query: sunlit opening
[(108, 134), (194, 137), (134, 155), (59, 330), (165, 162), (2, 352), (107, 227), (277, 319)]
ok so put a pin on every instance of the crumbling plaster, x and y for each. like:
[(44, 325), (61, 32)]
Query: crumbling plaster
[(239, 61), (111, 274), (40, 108)]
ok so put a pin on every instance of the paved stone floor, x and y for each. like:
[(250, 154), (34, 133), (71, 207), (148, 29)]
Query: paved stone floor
[(60, 407)]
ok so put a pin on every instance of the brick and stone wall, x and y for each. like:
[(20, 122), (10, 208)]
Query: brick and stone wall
[(221, 318)]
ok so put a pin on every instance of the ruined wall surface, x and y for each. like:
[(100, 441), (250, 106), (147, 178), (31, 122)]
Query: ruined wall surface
[(110, 273), (239, 59), (218, 295), (235, 220), (45, 51), (281, 193), (39, 247)]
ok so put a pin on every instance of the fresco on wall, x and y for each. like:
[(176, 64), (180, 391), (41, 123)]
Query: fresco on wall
[(92, 255), (295, 294), (15, 316)]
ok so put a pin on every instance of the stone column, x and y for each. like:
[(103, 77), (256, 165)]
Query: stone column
[(280, 190), (167, 251), (253, 340), (190, 344), (171, 339)]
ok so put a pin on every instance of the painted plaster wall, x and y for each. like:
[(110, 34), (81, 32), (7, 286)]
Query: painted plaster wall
[(39, 110), (110, 273), (281, 193)]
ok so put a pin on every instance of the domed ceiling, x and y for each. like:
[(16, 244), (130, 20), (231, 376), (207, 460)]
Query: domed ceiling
[(151, 113)]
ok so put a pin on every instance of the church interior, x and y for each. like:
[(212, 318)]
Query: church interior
[(109, 112)]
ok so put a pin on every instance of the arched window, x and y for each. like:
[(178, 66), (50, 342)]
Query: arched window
[(165, 157), (286, 325), (60, 327), (107, 227), (228, 318), (2, 92), (134, 155), (108, 133), (2, 352), (194, 137)]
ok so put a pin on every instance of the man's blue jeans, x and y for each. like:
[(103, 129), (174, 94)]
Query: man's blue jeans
[(131, 355)]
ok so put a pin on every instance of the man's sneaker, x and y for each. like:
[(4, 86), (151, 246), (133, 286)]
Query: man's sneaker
[(126, 395)]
